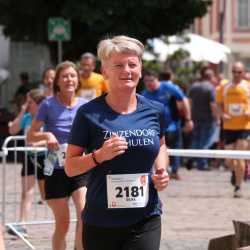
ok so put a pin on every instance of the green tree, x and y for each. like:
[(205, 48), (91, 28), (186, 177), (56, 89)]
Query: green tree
[(94, 19)]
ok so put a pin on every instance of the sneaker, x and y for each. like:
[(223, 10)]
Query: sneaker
[(237, 192), (205, 168), (189, 165), (20, 229), (175, 176), (233, 178), (41, 202)]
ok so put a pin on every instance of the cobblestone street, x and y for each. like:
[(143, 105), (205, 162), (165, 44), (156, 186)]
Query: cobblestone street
[(196, 209)]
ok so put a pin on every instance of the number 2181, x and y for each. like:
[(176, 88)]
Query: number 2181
[(133, 191)]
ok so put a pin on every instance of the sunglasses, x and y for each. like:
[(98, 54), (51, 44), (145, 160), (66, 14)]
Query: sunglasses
[(237, 72)]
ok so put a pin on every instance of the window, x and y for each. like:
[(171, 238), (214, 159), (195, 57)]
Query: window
[(243, 13)]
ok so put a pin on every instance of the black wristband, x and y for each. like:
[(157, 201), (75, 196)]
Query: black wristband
[(94, 158)]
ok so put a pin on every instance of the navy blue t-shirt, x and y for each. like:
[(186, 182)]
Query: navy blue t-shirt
[(94, 123)]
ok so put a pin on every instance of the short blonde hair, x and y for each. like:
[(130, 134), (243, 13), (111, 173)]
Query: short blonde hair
[(119, 44)]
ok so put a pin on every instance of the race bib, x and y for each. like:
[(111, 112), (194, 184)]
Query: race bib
[(127, 190), (61, 154), (235, 109), (88, 94)]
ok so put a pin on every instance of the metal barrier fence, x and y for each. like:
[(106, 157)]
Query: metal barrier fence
[(207, 153), (39, 214)]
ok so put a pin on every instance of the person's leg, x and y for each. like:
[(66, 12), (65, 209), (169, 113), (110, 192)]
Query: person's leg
[(205, 141), (40, 176), (28, 183), (170, 138), (241, 144), (41, 186), (195, 142), (145, 235), (78, 197), (230, 163), (1, 240), (177, 144), (60, 208), (230, 138), (173, 141), (208, 138)]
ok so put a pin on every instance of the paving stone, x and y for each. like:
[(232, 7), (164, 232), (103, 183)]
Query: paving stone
[(197, 208)]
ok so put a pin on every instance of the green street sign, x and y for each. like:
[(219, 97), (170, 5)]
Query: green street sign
[(59, 29)]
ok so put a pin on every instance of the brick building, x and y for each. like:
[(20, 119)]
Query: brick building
[(233, 31)]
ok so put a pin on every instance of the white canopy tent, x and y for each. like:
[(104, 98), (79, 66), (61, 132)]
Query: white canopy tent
[(4, 74), (199, 48)]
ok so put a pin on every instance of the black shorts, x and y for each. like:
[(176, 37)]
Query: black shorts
[(145, 235), (231, 136), (59, 185), (33, 165)]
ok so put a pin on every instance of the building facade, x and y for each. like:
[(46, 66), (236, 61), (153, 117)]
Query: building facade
[(16, 57), (228, 21)]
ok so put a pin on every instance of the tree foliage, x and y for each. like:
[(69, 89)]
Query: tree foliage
[(94, 19)]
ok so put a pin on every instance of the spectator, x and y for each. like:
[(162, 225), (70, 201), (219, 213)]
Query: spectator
[(91, 84), (47, 81), (30, 167), (204, 114), (22, 90), (174, 102)]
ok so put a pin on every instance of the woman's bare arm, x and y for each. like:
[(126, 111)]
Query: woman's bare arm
[(161, 178), (77, 163)]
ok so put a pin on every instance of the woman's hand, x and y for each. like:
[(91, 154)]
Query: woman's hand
[(188, 126), (52, 142), (160, 179), (226, 116), (112, 147), (42, 143), (24, 107)]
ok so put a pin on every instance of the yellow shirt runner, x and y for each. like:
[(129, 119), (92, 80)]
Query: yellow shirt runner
[(234, 99), (92, 87)]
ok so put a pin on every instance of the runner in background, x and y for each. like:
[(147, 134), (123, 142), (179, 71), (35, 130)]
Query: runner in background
[(57, 114), (175, 102), (233, 102), (47, 81), (123, 134), (91, 84), (33, 163)]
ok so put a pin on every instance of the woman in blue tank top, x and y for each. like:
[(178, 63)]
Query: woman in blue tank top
[(57, 114)]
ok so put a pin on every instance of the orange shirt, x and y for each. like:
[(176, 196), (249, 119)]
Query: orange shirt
[(234, 99), (92, 87)]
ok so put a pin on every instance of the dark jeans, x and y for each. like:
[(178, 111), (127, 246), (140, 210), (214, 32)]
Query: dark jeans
[(144, 235), (202, 138), (174, 141)]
